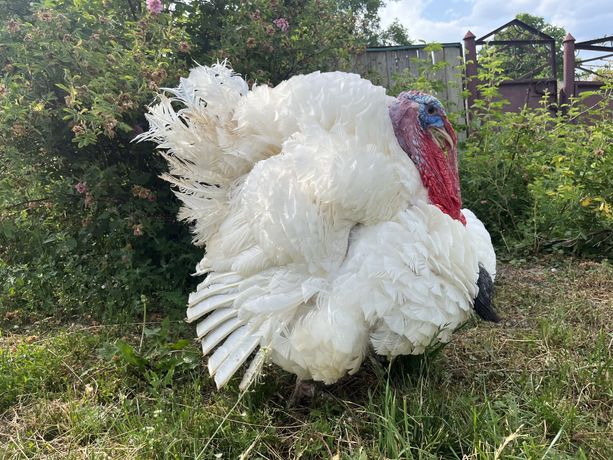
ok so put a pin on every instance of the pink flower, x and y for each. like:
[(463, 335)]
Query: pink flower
[(154, 6), (282, 24), (81, 187), (79, 129)]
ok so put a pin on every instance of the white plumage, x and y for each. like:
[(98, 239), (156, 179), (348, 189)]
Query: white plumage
[(321, 239)]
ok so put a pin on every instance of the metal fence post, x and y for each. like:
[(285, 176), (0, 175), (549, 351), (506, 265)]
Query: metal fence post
[(470, 57), (568, 89)]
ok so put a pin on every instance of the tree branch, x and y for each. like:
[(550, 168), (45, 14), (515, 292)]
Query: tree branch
[(16, 205)]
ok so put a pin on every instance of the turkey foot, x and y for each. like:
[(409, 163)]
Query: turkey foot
[(304, 392)]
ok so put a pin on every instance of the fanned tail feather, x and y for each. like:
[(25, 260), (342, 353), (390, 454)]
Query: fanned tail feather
[(229, 337), (254, 370), (198, 142), (219, 328), (213, 338), (214, 320), (232, 354), (208, 305)]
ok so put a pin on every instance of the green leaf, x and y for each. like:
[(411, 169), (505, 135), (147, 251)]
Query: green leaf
[(127, 353), (8, 228)]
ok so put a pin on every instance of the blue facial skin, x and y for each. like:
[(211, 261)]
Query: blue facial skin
[(430, 110)]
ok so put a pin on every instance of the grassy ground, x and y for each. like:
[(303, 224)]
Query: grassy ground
[(538, 385)]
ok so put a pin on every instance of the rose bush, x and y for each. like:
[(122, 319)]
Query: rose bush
[(84, 221)]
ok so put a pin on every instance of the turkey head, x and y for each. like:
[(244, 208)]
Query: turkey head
[(425, 134)]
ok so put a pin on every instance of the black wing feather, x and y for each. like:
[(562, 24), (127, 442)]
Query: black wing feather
[(483, 301)]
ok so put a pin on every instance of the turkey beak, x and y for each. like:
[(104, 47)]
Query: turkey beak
[(443, 139)]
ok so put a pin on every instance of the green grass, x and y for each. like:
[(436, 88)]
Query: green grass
[(536, 386)]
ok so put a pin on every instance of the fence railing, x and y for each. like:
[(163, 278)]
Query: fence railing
[(528, 87), (386, 65)]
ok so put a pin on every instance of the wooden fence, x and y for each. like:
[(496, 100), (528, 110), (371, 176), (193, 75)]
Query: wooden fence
[(381, 65)]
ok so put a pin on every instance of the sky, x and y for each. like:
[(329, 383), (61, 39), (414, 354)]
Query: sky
[(446, 21)]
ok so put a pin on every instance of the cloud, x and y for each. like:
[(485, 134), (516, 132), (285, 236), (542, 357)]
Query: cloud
[(431, 20)]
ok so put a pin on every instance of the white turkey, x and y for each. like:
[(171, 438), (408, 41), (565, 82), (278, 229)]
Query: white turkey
[(331, 217)]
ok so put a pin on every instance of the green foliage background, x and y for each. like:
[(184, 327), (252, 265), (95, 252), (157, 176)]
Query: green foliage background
[(85, 224), (541, 179)]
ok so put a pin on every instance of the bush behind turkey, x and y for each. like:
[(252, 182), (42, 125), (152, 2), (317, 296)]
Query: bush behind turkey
[(85, 223), (541, 179)]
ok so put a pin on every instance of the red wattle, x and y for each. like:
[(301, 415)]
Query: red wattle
[(439, 175)]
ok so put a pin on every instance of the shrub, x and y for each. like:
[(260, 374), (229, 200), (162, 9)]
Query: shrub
[(271, 41), (84, 220), (541, 179)]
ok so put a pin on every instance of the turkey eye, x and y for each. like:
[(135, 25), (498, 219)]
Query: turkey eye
[(430, 110)]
